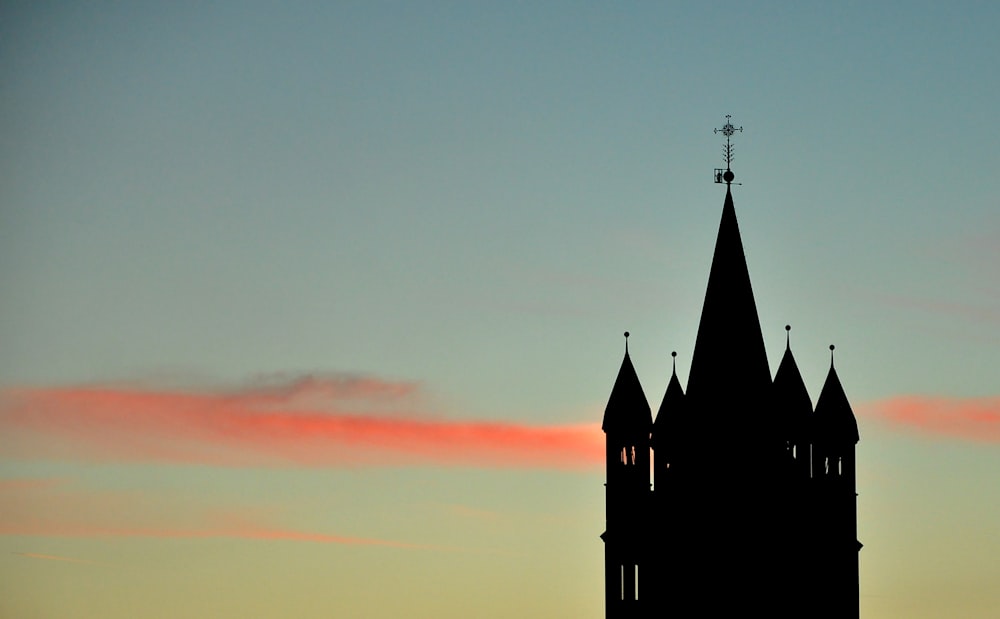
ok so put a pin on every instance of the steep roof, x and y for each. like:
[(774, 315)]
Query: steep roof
[(834, 421), (791, 399), (669, 417), (729, 361), (627, 411)]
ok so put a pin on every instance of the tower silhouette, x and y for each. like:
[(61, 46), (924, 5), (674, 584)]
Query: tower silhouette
[(753, 506)]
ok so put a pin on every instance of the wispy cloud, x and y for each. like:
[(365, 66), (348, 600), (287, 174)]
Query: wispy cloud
[(68, 510), (74, 530), (969, 419), (38, 555), (28, 483), (299, 421)]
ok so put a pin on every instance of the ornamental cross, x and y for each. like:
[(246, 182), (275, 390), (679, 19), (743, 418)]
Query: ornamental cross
[(727, 151), (728, 130)]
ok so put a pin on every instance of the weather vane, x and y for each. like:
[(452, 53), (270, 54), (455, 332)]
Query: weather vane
[(726, 176)]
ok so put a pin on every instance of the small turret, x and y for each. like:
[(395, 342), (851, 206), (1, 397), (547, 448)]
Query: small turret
[(668, 429), (793, 409), (834, 428), (835, 434), (627, 425), (627, 412)]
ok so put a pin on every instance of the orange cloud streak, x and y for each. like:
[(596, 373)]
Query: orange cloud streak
[(971, 419), (38, 555), (58, 510), (310, 422), (168, 533)]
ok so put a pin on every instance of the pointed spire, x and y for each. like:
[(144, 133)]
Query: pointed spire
[(729, 363), (835, 422), (791, 398), (670, 413), (627, 411), (788, 380), (672, 399)]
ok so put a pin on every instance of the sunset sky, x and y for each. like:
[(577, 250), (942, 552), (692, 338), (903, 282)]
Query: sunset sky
[(312, 309)]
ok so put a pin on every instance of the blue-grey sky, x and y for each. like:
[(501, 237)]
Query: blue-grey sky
[(477, 199)]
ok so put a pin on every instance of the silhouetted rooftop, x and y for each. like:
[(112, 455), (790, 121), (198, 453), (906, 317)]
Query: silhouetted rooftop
[(627, 410), (834, 421), (791, 396), (669, 416), (729, 360)]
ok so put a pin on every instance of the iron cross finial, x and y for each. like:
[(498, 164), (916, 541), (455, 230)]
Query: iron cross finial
[(728, 129), (727, 151)]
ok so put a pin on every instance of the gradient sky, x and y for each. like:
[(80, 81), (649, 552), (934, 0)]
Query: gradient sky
[(312, 309)]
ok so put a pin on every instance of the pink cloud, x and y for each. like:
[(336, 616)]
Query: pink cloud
[(38, 555), (304, 422), (66, 510), (283, 390), (76, 530), (970, 419), (28, 483)]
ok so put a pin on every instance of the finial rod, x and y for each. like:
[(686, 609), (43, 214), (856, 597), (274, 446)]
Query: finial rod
[(626, 342), (788, 337), (831, 355), (674, 355), (727, 151)]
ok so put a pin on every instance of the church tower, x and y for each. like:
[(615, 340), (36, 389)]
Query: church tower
[(753, 504), (835, 434), (627, 425)]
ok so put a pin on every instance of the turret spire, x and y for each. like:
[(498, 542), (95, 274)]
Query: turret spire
[(835, 421), (627, 410), (669, 431), (793, 409)]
